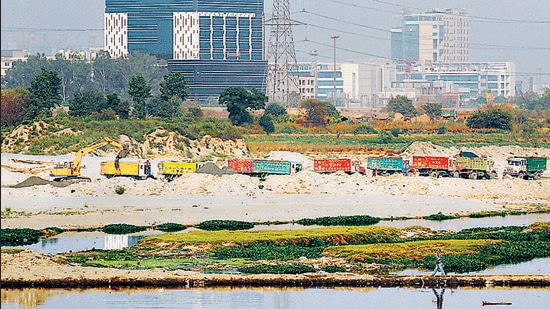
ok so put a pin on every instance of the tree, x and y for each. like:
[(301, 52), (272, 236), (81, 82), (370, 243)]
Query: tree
[(46, 89), (317, 111), (15, 105), (403, 105), (158, 106), (121, 107), (266, 123), (21, 72), (174, 85), (490, 119), (275, 110), (85, 103), (140, 91), (432, 109), (238, 101)]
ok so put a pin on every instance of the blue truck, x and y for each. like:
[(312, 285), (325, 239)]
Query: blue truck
[(388, 165), (264, 167)]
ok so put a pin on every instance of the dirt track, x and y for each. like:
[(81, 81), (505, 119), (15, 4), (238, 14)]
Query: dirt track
[(32, 269)]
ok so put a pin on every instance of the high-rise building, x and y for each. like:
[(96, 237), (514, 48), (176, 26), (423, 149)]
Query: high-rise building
[(434, 36), (215, 43)]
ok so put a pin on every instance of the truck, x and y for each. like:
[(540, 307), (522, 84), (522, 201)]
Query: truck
[(525, 167), (136, 169), (388, 165), (258, 167), (435, 166), (71, 170), (469, 165), (326, 166), (169, 170)]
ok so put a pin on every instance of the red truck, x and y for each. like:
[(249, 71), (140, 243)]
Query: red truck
[(335, 165), (433, 166)]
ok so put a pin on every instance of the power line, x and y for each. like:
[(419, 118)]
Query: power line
[(479, 18), (493, 46)]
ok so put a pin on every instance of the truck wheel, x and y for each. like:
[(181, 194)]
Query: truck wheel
[(456, 174), (434, 174), (472, 175)]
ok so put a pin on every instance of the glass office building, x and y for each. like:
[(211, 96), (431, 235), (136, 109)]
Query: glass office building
[(215, 43)]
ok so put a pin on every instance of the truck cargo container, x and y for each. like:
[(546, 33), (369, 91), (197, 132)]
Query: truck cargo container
[(264, 167), (525, 167), (172, 169), (336, 165), (435, 166), (470, 165), (388, 165), (137, 170)]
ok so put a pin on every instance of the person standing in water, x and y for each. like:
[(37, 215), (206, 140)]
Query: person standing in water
[(439, 263)]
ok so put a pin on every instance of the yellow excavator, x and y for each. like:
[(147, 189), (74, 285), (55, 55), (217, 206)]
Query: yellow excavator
[(71, 170)]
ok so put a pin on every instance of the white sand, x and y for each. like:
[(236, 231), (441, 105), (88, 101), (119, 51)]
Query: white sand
[(197, 197)]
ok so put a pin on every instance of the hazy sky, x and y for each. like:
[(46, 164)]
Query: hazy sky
[(500, 30)]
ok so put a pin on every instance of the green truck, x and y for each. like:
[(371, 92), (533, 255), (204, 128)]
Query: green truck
[(525, 167), (469, 165)]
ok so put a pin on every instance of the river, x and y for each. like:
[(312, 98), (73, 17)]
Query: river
[(282, 298)]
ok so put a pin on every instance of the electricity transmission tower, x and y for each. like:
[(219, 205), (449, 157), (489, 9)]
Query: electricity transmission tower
[(281, 55)]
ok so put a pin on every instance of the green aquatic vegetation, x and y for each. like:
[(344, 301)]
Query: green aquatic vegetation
[(123, 228), (217, 225), (19, 237), (341, 220), (269, 252), (333, 234), (439, 217), (170, 227)]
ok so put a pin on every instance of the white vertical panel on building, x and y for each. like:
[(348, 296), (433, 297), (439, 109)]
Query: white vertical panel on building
[(116, 34), (186, 35)]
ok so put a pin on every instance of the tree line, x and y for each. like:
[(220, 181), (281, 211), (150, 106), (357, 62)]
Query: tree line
[(140, 86)]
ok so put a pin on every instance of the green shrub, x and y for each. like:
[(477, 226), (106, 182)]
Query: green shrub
[(216, 225), (395, 132), (333, 269), (19, 237), (122, 228), (170, 227), (364, 128), (119, 190)]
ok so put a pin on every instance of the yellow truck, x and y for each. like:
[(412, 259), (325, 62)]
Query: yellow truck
[(71, 170), (172, 169), (135, 169)]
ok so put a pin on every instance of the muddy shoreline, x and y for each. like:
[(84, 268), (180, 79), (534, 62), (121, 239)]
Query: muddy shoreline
[(303, 280)]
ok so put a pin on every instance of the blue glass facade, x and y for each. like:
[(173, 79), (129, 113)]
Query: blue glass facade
[(229, 42)]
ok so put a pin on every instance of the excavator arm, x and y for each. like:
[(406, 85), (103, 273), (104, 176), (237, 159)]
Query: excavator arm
[(94, 146), (72, 169)]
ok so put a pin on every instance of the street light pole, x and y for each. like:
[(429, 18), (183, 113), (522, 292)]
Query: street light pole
[(334, 68)]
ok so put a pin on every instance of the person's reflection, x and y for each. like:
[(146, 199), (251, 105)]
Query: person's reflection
[(439, 297)]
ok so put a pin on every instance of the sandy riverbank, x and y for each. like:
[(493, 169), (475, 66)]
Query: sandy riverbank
[(196, 197)]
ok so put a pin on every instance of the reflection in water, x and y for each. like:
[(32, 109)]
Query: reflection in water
[(81, 241), (283, 298), (120, 241), (439, 297)]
